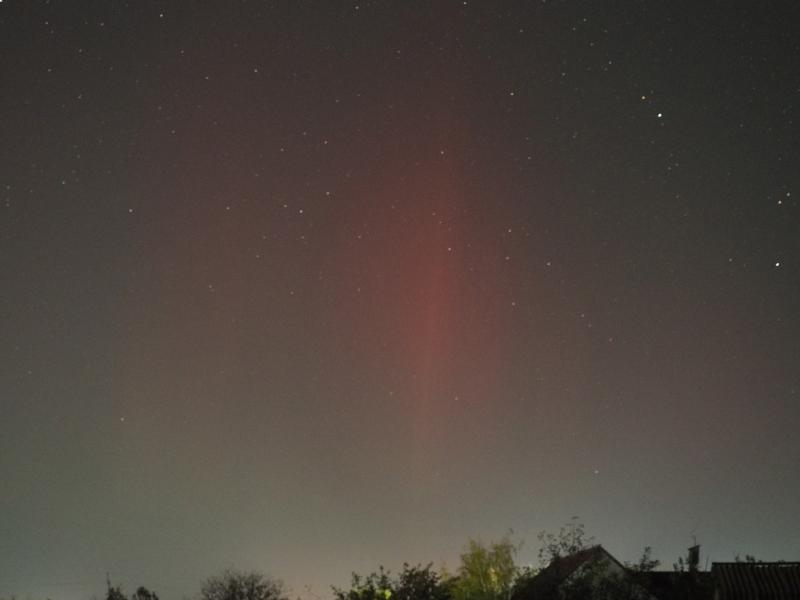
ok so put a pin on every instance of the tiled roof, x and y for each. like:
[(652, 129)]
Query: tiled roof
[(757, 581)]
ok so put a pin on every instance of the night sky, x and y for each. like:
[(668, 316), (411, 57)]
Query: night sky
[(309, 287)]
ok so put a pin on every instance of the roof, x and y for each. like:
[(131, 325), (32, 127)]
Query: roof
[(660, 585), (546, 581), (757, 580), (561, 568), (677, 585)]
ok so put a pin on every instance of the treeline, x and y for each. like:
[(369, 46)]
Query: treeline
[(486, 571)]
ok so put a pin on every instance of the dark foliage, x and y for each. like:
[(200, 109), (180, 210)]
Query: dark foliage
[(569, 540), (239, 585), (413, 583), (142, 593), (115, 593)]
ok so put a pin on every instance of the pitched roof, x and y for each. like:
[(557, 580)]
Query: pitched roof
[(661, 585), (758, 581), (564, 566), (560, 569)]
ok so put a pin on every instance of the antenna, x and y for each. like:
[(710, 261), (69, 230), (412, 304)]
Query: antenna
[(696, 525)]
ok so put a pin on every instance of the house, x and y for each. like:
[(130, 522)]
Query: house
[(596, 573), (593, 572), (756, 580)]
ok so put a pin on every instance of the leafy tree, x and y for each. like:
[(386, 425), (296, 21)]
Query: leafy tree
[(242, 585), (420, 583), (375, 586), (486, 572), (413, 583)]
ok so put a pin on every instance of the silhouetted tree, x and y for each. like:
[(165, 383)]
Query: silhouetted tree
[(486, 572), (748, 558), (421, 583), (142, 593), (571, 538), (685, 565), (646, 562), (413, 583), (375, 586), (593, 579), (115, 593), (242, 585)]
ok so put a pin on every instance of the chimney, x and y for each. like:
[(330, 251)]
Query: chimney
[(694, 558)]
